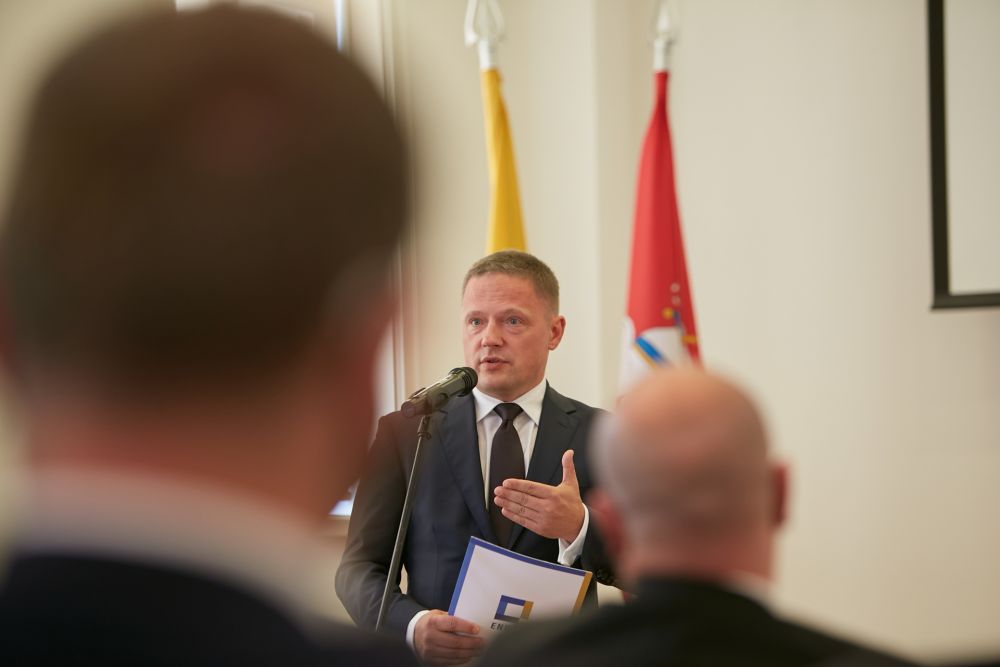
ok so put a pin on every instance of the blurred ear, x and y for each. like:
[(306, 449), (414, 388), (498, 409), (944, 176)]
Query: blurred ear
[(8, 362), (779, 494), (609, 523), (346, 384), (556, 331), (357, 342)]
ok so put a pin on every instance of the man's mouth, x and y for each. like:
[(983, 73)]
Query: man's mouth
[(491, 362)]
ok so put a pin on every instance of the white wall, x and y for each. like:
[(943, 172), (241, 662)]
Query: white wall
[(801, 139), (802, 155)]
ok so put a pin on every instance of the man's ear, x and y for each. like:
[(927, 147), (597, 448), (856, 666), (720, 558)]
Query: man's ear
[(357, 345), (779, 494), (347, 377), (556, 331), (9, 370), (609, 522)]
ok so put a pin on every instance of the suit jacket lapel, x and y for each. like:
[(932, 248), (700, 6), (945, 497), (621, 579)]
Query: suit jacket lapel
[(555, 432), (460, 442)]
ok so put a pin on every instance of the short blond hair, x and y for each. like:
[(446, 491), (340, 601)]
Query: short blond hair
[(521, 264)]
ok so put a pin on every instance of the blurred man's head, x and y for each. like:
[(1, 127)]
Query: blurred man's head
[(686, 484), (510, 321), (198, 236)]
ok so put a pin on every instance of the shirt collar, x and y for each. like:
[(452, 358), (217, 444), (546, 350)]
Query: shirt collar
[(749, 586), (178, 524), (753, 586), (530, 401)]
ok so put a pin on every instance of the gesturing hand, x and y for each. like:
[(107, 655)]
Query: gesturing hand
[(550, 511), (436, 641)]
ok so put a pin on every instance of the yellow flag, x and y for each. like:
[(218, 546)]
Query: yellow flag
[(506, 226)]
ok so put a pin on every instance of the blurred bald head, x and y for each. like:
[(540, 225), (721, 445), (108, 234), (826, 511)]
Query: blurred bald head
[(685, 466)]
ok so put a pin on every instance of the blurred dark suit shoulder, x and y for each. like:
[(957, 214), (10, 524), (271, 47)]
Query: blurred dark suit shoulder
[(678, 623), (64, 610)]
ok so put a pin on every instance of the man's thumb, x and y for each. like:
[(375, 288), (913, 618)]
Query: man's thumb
[(569, 470)]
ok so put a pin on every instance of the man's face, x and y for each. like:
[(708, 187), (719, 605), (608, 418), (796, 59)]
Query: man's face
[(508, 331)]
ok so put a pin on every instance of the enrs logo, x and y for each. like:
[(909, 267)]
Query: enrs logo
[(512, 610)]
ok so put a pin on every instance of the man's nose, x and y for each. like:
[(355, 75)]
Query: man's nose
[(491, 336)]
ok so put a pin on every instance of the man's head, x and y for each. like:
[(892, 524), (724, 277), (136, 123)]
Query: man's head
[(510, 321), (203, 215), (686, 485)]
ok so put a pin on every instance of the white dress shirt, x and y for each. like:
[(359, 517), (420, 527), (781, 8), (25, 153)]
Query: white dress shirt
[(526, 423)]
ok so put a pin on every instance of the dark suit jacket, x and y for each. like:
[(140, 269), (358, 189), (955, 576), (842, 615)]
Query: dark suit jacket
[(449, 507), (62, 610), (677, 622)]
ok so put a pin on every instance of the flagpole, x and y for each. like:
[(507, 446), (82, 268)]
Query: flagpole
[(660, 327), (484, 28)]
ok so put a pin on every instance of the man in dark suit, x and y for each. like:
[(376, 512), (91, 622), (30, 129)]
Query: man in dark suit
[(689, 504), (503, 464), (203, 202)]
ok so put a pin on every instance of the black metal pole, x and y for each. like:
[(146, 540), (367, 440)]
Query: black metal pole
[(423, 433)]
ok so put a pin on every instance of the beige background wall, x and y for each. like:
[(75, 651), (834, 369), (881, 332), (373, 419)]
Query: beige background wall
[(801, 143)]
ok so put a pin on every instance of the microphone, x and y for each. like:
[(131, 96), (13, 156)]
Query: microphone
[(459, 382)]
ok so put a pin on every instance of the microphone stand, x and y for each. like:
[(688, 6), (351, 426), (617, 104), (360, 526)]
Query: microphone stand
[(423, 433)]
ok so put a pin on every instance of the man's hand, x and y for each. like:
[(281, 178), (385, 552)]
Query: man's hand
[(436, 641), (550, 511)]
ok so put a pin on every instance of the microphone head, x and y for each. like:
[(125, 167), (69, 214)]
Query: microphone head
[(427, 400), (469, 377)]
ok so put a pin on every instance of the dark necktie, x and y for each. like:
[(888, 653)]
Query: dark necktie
[(506, 461)]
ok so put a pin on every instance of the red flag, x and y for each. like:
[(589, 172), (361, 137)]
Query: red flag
[(660, 325)]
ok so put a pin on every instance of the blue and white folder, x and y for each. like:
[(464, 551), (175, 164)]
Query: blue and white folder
[(497, 588)]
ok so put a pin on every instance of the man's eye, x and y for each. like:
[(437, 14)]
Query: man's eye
[(475, 321), (514, 320)]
